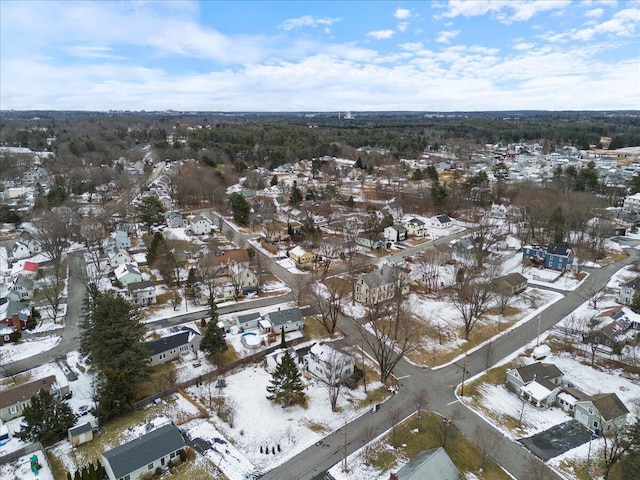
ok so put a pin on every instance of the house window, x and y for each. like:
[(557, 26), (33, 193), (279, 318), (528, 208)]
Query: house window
[(128, 477), (172, 455), (13, 409), (595, 424), (590, 409), (150, 466)]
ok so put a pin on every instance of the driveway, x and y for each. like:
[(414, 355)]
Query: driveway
[(557, 440)]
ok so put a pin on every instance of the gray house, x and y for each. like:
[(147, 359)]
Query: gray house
[(432, 464), (512, 283), (628, 291), (144, 454), (248, 321), (538, 383), (290, 319), (169, 348), (23, 287), (601, 413), (14, 400)]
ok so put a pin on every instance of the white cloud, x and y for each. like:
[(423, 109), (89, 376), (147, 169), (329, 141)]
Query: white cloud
[(307, 21), (402, 26), (594, 13), (381, 34), (447, 36), (411, 46), (402, 13), (523, 45), (504, 11), (93, 51)]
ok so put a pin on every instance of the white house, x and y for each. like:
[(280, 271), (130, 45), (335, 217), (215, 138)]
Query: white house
[(142, 455), (127, 273), (118, 256), (328, 364), (169, 348), (23, 287), (628, 291), (201, 225), (395, 233), (142, 293), (290, 320), (415, 227), (20, 250), (632, 203), (441, 221), (392, 209)]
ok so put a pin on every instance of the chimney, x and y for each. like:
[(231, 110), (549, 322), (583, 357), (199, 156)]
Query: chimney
[(393, 476), (15, 320)]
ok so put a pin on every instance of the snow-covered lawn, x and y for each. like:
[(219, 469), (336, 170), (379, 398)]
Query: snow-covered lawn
[(26, 347)]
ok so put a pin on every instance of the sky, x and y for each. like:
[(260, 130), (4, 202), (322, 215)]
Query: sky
[(320, 56)]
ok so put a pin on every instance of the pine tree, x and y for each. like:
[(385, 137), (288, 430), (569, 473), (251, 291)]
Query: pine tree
[(93, 475), (213, 341), (358, 164), (274, 181), (286, 387), (154, 248), (283, 341), (351, 203), (114, 395), (191, 289), (112, 337), (296, 194), (150, 212), (45, 417), (69, 477)]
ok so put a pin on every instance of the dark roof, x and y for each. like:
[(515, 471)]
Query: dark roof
[(433, 464), (634, 283), (609, 405), (561, 250), (80, 429), (132, 287), (539, 371), (143, 450), (416, 221), (514, 279), (284, 316), (443, 218), (165, 344), (24, 392), (248, 317)]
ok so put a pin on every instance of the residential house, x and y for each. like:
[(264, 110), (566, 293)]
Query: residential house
[(169, 348), (243, 278), (613, 329), (201, 225), (142, 293), (175, 220), (20, 250), (127, 273), (441, 221), (248, 321), (392, 209), (628, 291), (395, 233), (377, 243), (568, 398), (538, 383), (557, 257), (276, 232), (301, 256), (237, 256), (415, 227), (14, 314), (14, 400), (462, 250), (498, 210), (80, 434), (134, 459), (434, 464), (118, 256), (512, 283), (290, 319), (329, 364), (23, 287), (122, 240), (601, 413), (632, 203), (380, 285)]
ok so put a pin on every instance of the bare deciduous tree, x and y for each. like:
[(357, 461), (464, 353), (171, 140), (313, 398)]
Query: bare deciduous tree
[(328, 298), (472, 297)]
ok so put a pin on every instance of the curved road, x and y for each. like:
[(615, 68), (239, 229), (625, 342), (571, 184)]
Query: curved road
[(439, 384)]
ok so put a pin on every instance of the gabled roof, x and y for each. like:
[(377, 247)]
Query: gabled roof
[(24, 392), (609, 405), (199, 218), (238, 255), (398, 228), (514, 278), (443, 218), (143, 450), (561, 250), (633, 283), (378, 278), (165, 344), (30, 266), (132, 287), (284, 316), (249, 317), (538, 371), (80, 429), (432, 464), (126, 268), (415, 221)]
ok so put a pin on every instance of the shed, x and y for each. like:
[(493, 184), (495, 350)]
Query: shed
[(80, 434)]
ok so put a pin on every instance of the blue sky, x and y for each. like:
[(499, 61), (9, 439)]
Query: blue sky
[(320, 56)]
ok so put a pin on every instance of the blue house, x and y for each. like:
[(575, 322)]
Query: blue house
[(556, 257)]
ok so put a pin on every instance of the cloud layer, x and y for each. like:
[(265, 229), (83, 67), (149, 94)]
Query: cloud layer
[(460, 55)]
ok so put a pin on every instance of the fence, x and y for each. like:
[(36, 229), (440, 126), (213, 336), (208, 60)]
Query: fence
[(12, 456)]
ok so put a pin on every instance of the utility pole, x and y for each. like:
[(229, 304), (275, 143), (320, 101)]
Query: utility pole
[(464, 372), (344, 454), (538, 337)]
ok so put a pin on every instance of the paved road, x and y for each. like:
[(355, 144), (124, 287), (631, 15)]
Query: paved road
[(439, 385)]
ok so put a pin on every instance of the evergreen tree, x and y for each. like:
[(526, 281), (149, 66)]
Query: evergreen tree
[(283, 341), (213, 341), (191, 288), (112, 336), (45, 418), (240, 208), (154, 248), (351, 203), (358, 164), (115, 394), (431, 173), (69, 477), (274, 181), (438, 194), (150, 212), (417, 175), (286, 387), (296, 194), (630, 462)]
